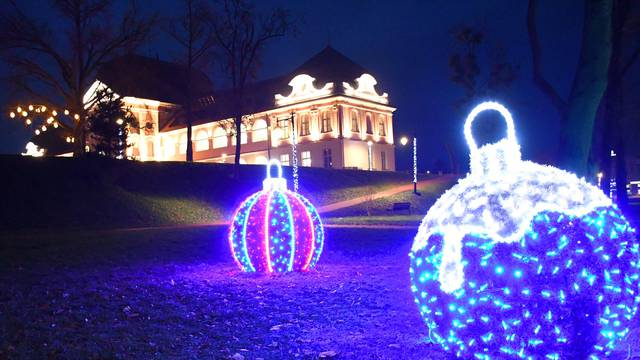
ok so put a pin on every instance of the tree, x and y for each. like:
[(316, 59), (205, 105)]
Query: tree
[(55, 68), (193, 31), (479, 76), (578, 112), (619, 130), (109, 124), (241, 36)]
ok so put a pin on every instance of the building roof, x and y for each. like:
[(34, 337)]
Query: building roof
[(329, 65), (148, 78)]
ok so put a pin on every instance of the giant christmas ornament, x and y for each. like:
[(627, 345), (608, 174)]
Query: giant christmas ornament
[(276, 230), (521, 260)]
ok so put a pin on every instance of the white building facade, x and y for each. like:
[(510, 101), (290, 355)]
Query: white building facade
[(339, 118)]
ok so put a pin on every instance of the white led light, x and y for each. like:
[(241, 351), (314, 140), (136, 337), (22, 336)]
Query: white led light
[(499, 198)]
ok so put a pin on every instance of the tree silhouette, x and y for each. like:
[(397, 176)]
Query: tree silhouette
[(55, 68)]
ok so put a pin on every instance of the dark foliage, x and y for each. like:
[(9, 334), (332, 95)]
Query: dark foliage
[(109, 124)]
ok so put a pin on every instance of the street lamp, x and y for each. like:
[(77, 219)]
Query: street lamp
[(369, 144), (404, 141)]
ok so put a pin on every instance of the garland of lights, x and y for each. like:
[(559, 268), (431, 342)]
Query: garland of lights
[(276, 230), (520, 260), (48, 117)]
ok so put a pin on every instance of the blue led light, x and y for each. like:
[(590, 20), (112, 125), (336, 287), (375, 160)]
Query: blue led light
[(573, 292)]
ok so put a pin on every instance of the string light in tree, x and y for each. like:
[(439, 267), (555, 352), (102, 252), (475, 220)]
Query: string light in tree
[(40, 117), (276, 230), (524, 261)]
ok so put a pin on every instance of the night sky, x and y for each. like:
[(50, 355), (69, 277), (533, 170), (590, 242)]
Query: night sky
[(406, 45)]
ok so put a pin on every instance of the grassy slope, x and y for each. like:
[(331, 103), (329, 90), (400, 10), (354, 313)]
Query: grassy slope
[(378, 211), (100, 193)]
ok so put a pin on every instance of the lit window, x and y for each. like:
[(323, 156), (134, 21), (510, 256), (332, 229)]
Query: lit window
[(326, 122), (328, 162), (169, 147), (259, 131), (369, 125), (243, 135), (150, 148), (202, 140), (381, 127), (354, 121), (383, 160), (219, 138), (284, 159), (182, 149), (283, 124), (304, 125), (306, 158)]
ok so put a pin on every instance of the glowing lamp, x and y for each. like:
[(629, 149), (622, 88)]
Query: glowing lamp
[(404, 140), (276, 230), (521, 260)]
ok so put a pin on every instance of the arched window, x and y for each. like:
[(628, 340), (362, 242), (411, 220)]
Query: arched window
[(382, 129), (243, 135), (354, 121), (259, 131), (325, 122), (182, 144), (219, 138), (202, 140), (169, 146), (150, 148), (369, 125), (304, 125)]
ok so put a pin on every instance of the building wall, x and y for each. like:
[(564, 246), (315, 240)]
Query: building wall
[(336, 129)]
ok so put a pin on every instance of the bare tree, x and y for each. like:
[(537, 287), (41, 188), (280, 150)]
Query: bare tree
[(619, 129), (241, 35), (57, 67), (193, 31), (478, 77), (578, 111)]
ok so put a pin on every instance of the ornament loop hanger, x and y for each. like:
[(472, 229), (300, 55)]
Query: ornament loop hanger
[(277, 163), (275, 183), (489, 105)]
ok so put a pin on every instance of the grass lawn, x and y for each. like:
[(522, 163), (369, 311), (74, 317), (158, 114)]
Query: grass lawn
[(177, 294), (100, 193), (377, 211)]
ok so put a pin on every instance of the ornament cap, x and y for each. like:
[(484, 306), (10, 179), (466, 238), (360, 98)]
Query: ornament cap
[(496, 158), (277, 183)]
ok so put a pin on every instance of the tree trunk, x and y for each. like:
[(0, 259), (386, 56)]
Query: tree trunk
[(621, 176), (589, 85), (237, 120)]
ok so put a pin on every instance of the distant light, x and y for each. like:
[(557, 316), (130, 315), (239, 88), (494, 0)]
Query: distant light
[(55, 113), (12, 114), (30, 107), (66, 112), (24, 113), (119, 122), (28, 121), (369, 143), (404, 140)]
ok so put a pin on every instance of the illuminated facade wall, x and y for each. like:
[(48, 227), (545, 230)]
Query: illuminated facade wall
[(332, 129)]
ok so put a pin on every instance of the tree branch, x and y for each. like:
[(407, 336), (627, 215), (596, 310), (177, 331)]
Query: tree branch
[(536, 54)]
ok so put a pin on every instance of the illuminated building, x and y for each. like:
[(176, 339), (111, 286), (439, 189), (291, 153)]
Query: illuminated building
[(336, 105)]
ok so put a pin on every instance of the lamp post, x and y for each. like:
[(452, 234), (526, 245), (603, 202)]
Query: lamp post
[(370, 155), (404, 141)]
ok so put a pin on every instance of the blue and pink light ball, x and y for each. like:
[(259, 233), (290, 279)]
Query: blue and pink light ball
[(524, 261), (276, 230)]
